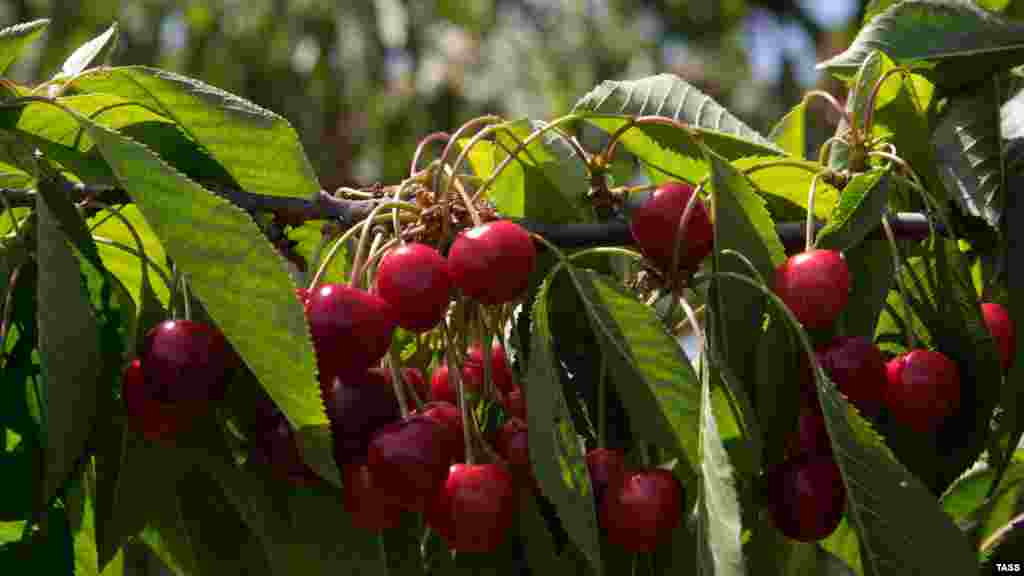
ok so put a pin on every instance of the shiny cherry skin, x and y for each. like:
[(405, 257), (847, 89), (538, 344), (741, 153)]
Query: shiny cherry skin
[(447, 415), (356, 407), (442, 389), (806, 497), (369, 506), (644, 509), (857, 367), (351, 329), (923, 389), (514, 403), (815, 285), (501, 374), (276, 447), (155, 420), (185, 362), (475, 508), (409, 459), (414, 378), (414, 279), (997, 319), (655, 223), (607, 468), (491, 263), (811, 435)]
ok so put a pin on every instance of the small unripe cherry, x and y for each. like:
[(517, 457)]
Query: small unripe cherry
[(997, 319), (815, 285)]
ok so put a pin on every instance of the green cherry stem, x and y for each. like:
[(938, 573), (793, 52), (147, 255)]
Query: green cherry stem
[(869, 116), (445, 214), (897, 268), (454, 371), (186, 298), (397, 382), (429, 139), (809, 242), (602, 404), (832, 102)]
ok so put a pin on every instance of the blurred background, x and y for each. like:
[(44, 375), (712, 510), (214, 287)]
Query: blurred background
[(363, 81)]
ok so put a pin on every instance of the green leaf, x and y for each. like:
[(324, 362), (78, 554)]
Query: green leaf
[(669, 96), (259, 149), (870, 264), (233, 270), (868, 73), (843, 546), (547, 181), (555, 448), (858, 213), (82, 519), (86, 53), (969, 150), (719, 524), (784, 187), (954, 43), (790, 133), (14, 40)]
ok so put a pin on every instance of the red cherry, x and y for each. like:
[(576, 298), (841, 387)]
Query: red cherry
[(447, 415), (644, 510), (475, 508), (806, 497), (275, 446), (185, 362), (515, 404), (156, 421), (501, 374), (999, 324), (351, 329), (811, 436), (409, 459), (923, 389), (491, 263), (414, 279), (356, 407), (815, 285), (443, 390), (370, 507), (413, 377), (655, 223), (302, 294), (857, 367), (607, 468)]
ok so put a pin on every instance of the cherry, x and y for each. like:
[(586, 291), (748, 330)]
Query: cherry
[(370, 507), (447, 415), (643, 510), (414, 279), (475, 508), (999, 324), (356, 407), (491, 263), (501, 374), (443, 390), (806, 497), (811, 436), (351, 329), (923, 389), (512, 442), (302, 294), (413, 377), (409, 460), (275, 446), (815, 285), (514, 403), (156, 421), (607, 467), (655, 223), (857, 367), (185, 362)]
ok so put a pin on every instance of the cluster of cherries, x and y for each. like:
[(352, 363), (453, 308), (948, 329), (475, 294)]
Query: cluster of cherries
[(920, 388)]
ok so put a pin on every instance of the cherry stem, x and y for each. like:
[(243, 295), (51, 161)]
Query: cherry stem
[(394, 214), (809, 228), (602, 404), (485, 354), (692, 317), (832, 101), (869, 115), (453, 180), (429, 139), (8, 306), (454, 371), (375, 250), (999, 534), (186, 298), (141, 255), (397, 382), (809, 167), (357, 263), (491, 119), (826, 148), (897, 268)]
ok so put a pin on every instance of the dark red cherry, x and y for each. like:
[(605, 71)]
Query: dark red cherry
[(515, 404), (442, 389), (491, 263), (356, 407), (351, 329), (413, 377), (475, 508), (815, 285), (923, 389), (409, 460), (654, 225), (806, 497), (275, 447), (369, 506), (857, 367), (811, 435), (414, 279), (997, 319), (185, 362), (501, 374), (447, 415), (607, 467), (642, 513), (156, 421)]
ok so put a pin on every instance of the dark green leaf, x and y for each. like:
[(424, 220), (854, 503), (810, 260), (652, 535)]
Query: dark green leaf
[(969, 152), (556, 451), (955, 43), (259, 149), (82, 519), (14, 39), (858, 213), (233, 270), (870, 264)]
